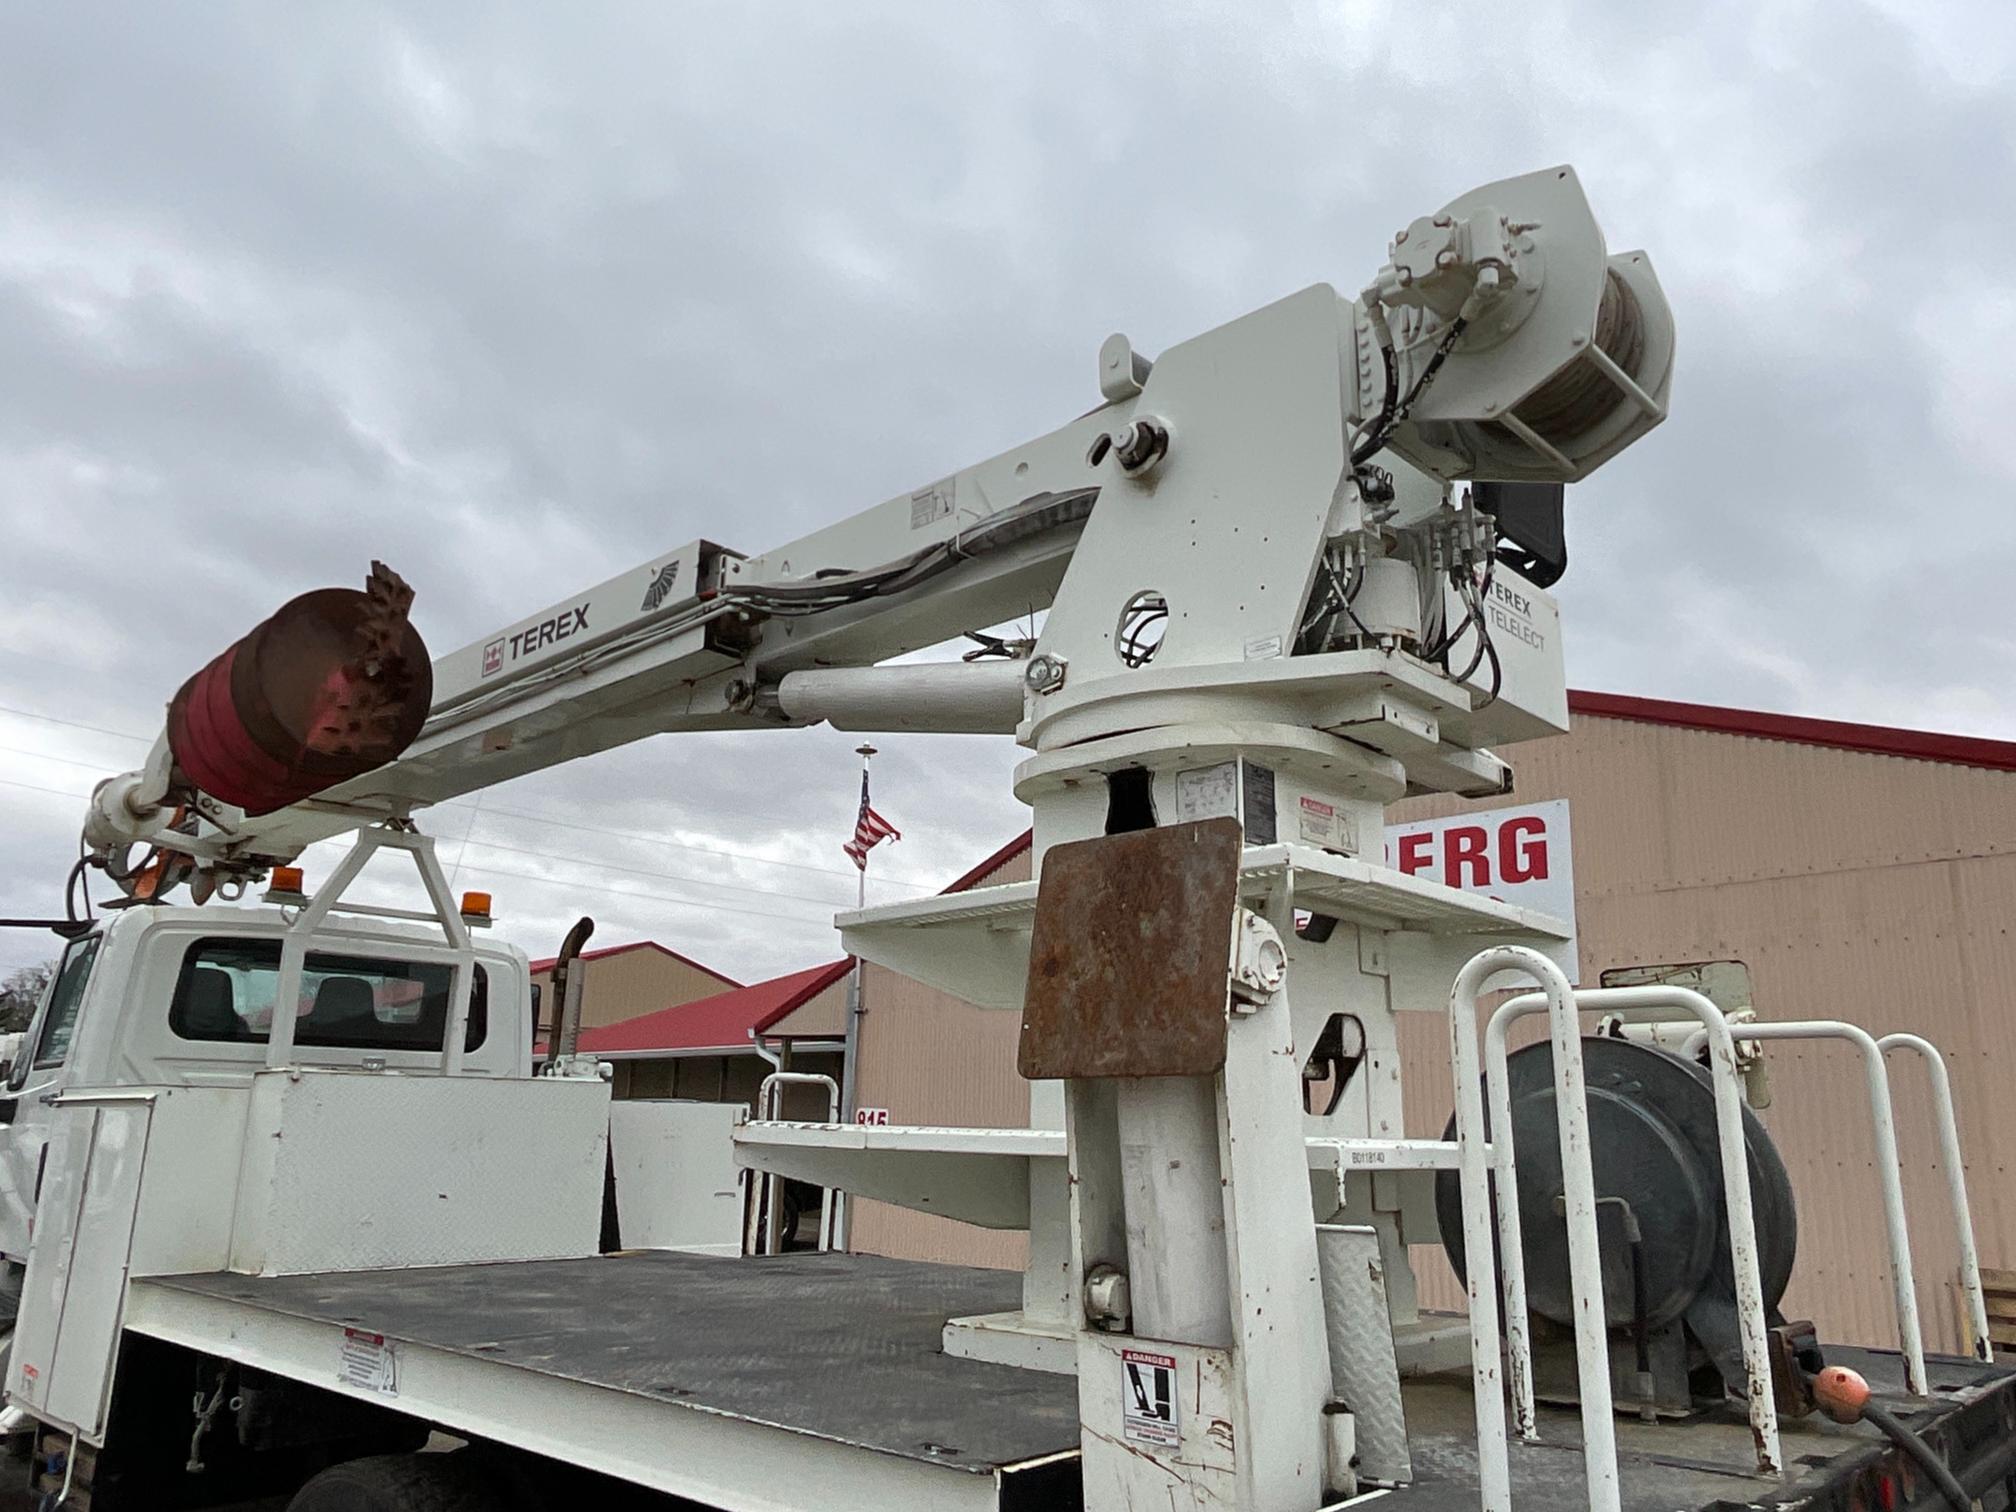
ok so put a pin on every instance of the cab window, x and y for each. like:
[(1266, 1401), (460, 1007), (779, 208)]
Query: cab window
[(59, 1019), (225, 991)]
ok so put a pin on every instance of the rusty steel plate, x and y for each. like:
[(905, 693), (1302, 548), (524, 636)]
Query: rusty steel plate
[(1129, 955)]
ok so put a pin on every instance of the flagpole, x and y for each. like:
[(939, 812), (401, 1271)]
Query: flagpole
[(850, 1082)]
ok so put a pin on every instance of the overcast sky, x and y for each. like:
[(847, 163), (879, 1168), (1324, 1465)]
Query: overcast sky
[(517, 299)]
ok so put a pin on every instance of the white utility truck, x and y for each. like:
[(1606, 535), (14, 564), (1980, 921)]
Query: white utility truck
[(290, 1197)]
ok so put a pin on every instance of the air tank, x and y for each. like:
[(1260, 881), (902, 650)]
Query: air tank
[(334, 683)]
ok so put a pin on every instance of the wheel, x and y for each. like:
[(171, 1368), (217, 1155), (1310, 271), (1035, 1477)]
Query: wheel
[(400, 1483)]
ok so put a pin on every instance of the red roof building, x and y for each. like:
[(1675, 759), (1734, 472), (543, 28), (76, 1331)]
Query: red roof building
[(727, 1023)]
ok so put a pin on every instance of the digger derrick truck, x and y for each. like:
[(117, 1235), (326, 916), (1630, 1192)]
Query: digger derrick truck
[(288, 1195)]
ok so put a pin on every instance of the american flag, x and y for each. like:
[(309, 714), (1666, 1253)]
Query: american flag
[(870, 830)]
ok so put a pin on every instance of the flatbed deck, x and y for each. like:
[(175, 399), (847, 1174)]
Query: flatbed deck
[(818, 1380)]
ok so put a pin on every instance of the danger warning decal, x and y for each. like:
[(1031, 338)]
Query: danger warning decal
[(1149, 1413)]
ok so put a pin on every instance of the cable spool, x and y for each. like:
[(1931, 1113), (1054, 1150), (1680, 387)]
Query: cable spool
[(333, 684), (1581, 396), (1542, 372), (1653, 1140)]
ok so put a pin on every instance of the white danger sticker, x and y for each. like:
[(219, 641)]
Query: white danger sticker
[(368, 1362), (1148, 1408)]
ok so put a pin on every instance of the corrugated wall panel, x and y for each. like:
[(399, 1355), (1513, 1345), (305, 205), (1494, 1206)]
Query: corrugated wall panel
[(1870, 888), (620, 987), (930, 1058), (1867, 888)]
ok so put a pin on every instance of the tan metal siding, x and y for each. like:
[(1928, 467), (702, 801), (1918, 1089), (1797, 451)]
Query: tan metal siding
[(1870, 888), (632, 982), (931, 1058), (821, 1016)]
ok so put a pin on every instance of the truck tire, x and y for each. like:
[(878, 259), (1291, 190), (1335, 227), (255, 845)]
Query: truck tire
[(400, 1483)]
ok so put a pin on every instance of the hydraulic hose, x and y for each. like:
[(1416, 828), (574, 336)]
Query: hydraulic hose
[(1845, 1397)]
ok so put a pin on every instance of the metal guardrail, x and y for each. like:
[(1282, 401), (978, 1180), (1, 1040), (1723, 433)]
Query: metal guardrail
[(1951, 1158), (769, 1102), (1724, 1078), (1578, 1180)]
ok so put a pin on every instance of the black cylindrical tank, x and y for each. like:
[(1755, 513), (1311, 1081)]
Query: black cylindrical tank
[(1653, 1144)]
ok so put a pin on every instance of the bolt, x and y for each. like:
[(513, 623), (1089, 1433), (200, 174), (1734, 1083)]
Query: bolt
[(1044, 674), (1444, 222), (1446, 258), (1141, 445), (1401, 238)]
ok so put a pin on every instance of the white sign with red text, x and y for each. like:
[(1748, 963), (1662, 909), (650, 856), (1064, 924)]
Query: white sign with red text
[(1518, 855)]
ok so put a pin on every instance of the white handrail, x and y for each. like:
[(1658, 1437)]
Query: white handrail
[(1903, 1288), (769, 1102), (1956, 1185), (1735, 1189), (1592, 1348)]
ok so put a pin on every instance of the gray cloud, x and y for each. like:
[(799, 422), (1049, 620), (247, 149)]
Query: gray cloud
[(516, 299)]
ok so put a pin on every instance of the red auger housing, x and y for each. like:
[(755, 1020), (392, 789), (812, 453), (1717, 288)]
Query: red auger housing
[(334, 683)]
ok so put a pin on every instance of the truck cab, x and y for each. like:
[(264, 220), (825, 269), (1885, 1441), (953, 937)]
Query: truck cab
[(184, 997)]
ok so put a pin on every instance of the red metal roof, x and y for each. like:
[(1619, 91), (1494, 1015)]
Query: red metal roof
[(726, 1021), (611, 950), (999, 859), (1876, 740)]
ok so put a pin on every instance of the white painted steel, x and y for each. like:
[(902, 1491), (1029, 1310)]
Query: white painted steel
[(769, 1099), (60, 1364), (972, 698), (329, 898), (975, 944), (1954, 1159), (1175, 1201), (356, 1171), (1592, 1344), (714, 1458), (954, 1173), (1725, 1080), (1386, 1154), (1889, 1173), (1015, 1338), (1494, 1473), (677, 1185)]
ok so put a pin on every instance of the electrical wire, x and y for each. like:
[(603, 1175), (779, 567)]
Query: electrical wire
[(658, 897), (74, 724), (610, 866), (593, 829), (89, 766), (37, 788), (663, 840)]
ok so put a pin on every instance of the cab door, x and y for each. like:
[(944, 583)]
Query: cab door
[(24, 1134)]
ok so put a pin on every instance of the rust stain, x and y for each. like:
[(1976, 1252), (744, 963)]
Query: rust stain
[(1129, 952)]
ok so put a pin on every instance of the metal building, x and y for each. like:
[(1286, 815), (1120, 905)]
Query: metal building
[(1856, 872), (624, 981)]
